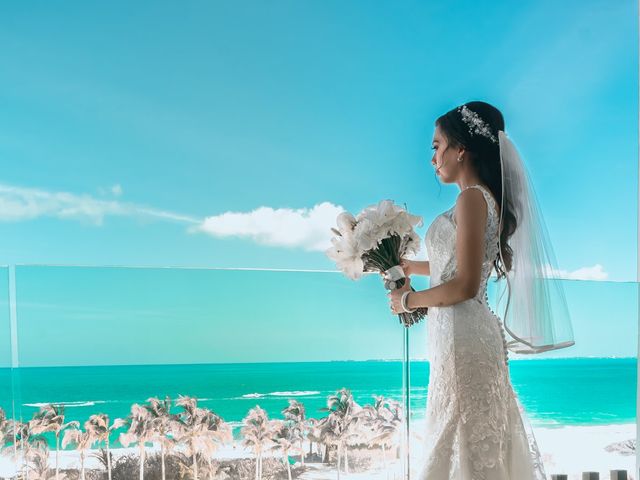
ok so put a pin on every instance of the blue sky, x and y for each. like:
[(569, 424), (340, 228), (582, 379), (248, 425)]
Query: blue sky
[(158, 133), (227, 134)]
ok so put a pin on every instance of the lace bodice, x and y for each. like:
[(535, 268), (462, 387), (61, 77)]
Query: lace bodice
[(441, 245)]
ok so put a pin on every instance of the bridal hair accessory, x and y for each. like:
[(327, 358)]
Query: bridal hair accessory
[(476, 124), (376, 240), (536, 315)]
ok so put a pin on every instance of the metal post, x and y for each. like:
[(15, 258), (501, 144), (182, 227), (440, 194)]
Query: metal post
[(637, 469), (16, 387), (406, 388)]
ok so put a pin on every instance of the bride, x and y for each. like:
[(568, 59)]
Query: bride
[(476, 428)]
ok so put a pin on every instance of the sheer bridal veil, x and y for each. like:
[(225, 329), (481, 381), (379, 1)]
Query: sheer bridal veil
[(536, 315)]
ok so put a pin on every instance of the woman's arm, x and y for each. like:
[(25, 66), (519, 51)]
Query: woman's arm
[(420, 267), (470, 218)]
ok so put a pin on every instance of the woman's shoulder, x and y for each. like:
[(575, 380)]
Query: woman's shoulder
[(470, 203)]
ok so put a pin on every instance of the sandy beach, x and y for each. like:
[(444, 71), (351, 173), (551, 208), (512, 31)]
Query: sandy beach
[(573, 450), (568, 449)]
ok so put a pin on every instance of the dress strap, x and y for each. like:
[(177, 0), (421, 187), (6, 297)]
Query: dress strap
[(487, 197)]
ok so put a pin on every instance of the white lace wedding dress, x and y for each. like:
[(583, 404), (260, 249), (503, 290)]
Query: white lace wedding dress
[(476, 428)]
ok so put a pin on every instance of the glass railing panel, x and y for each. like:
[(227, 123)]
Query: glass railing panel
[(99, 340)]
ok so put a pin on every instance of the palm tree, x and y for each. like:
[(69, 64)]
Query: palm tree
[(294, 415), (4, 427), (40, 463), (256, 435), (100, 429), (18, 431), (201, 430), (189, 428), (330, 435), (140, 430), (10, 433), (161, 426), (102, 457), (215, 432), (314, 434), (283, 438), (82, 441), (30, 444), (384, 419), (7, 431), (50, 418), (341, 423)]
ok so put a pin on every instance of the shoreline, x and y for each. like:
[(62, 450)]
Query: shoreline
[(564, 449)]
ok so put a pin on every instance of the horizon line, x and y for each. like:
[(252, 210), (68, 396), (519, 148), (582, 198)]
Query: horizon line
[(594, 357)]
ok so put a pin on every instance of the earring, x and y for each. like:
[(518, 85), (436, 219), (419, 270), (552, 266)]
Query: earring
[(460, 158)]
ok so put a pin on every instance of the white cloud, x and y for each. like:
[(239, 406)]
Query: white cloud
[(304, 228), (116, 190), (20, 203), (585, 273)]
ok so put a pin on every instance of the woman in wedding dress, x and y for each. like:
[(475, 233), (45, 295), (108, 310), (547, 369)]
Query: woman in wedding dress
[(476, 428)]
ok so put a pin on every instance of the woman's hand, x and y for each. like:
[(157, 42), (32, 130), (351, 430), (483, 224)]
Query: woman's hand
[(396, 295), (408, 267)]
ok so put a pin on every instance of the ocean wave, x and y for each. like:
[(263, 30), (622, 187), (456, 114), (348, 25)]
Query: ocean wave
[(295, 393), (84, 403), (544, 422)]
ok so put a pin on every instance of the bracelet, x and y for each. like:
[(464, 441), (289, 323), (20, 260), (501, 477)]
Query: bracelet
[(403, 302)]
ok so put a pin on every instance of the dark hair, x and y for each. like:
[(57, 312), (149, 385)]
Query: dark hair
[(484, 156)]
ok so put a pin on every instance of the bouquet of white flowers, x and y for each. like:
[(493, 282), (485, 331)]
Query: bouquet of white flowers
[(376, 240)]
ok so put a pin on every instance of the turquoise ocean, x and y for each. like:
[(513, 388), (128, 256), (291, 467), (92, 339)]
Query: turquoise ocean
[(555, 392)]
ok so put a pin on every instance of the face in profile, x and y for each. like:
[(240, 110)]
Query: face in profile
[(444, 159)]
